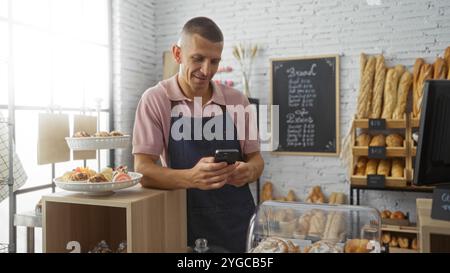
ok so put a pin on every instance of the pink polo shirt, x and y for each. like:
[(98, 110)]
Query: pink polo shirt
[(153, 116)]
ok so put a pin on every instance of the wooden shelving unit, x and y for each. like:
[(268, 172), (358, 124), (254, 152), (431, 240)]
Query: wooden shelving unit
[(391, 152), (148, 220)]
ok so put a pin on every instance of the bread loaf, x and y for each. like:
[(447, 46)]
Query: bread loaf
[(386, 238), (414, 244), (394, 242), (361, 166), (403, 242), (403, 91), (317, 223), (416, 73), (267, 192), (426, 73), (398, 166), (362, 67), (447, 60), (398, 215), (386, 214), (337, 198), (384, 167), (440, 69), (378, 87), (335, 227), (363, 140), (365, 93), (378, 140), (394, 140), (372, 166), (357, 246), (291, 196), (390, 93)]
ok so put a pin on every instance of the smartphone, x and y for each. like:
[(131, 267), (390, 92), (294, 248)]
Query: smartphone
[(226, 155)]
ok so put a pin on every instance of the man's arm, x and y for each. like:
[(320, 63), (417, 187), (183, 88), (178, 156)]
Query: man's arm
[(205, 175)]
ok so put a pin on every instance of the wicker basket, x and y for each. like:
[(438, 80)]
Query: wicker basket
[(98, 143)]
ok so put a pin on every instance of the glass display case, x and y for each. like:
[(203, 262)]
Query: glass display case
[(285, 227)]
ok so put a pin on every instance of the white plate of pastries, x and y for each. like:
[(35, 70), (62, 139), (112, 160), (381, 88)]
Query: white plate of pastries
[(103, 183), (82, 141)]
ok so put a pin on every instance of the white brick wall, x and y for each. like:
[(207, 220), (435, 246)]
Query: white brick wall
[(401, 30), (134, 62)]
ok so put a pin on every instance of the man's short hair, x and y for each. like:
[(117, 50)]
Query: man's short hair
[(204, 27)]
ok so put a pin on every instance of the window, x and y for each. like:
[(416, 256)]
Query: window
[(60, 55)]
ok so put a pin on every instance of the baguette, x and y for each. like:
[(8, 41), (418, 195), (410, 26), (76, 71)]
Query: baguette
[(390, 93), (365, 94), (403, 90), (440, 69), (378, 87), (447, 60), (362, 66), (384, 167), (426, 73), (416, 72)]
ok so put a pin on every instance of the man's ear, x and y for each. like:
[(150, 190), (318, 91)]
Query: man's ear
[(176, 52)]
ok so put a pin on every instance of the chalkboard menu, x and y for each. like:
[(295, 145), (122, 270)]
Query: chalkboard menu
[(307, 93)]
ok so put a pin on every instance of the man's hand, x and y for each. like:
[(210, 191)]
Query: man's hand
[(243, 174), (207, 175)]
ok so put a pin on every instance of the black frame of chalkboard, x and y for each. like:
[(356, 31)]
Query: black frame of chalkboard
[(338, 141)]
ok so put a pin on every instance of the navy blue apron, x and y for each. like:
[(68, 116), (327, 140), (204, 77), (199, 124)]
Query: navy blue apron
[(221, 216)]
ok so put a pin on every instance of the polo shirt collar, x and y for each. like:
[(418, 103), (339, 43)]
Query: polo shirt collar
[(175, 94)]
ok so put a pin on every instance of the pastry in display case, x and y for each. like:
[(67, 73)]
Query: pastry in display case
[(292, 227)]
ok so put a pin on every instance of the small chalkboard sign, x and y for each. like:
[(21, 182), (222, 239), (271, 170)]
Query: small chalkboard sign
[(377, 152), (306, 93), (376, 181), (440, 209), (377, 124)]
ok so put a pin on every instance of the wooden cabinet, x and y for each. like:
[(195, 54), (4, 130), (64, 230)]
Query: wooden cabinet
[(148, 220), (434, 235)]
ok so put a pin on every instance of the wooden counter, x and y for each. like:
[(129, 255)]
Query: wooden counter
[(148, 220), (434, 235)]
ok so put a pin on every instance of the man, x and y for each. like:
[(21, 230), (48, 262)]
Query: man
[(219, 202)]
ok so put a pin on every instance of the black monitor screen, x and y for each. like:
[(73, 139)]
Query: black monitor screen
[(433, 150)]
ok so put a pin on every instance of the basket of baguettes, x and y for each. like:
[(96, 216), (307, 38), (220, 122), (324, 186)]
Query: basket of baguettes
[(384, 91), (82, 141), (90, 182)]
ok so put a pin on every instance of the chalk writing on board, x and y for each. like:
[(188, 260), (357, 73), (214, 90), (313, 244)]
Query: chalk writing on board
[(307, 93)]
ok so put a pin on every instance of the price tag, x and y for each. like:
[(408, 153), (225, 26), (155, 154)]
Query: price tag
[(377, 124), (376, 181), (377, 152)]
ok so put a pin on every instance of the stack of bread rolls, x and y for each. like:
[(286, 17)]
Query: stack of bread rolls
[(391, 140), (388, 167)]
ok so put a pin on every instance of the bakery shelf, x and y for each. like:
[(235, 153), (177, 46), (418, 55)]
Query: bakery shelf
[(390, 123), (388, 188), (390, 182), (400, 229), (415, 122), (402, 250), (390, 151)]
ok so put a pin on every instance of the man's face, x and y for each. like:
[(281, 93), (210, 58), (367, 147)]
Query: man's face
[(199, 59)]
